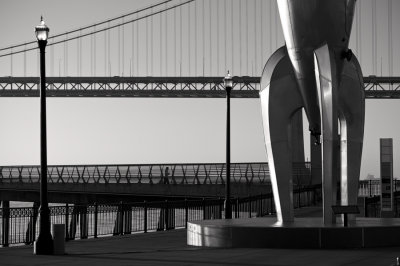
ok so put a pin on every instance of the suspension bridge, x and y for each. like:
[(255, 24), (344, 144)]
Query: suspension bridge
[(180, 48)]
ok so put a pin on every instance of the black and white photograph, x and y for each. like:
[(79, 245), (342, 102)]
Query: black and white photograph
[(200, 132)]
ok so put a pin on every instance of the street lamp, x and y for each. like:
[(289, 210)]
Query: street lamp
[(44, 243), (228, 82)]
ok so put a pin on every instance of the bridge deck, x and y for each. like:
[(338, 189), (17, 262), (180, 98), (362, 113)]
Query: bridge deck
[(172, 87)]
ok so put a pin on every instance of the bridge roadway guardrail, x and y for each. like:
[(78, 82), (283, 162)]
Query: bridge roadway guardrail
[(20, 226)]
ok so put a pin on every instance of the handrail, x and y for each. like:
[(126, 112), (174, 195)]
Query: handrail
[(196, 174)]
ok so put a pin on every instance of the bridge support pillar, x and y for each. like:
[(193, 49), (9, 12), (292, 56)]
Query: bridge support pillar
[(5, 223), (30, 235)]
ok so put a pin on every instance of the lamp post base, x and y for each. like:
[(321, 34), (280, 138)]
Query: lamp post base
[(43, 245)]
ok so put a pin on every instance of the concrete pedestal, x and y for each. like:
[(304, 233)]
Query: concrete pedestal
[(302, 233)]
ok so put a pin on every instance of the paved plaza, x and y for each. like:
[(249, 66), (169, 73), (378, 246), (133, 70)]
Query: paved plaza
[(169, 248)]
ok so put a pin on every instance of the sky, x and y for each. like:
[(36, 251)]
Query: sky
[(135, 130)]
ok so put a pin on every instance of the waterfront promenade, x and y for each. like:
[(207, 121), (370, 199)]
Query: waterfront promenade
[(169, 248)]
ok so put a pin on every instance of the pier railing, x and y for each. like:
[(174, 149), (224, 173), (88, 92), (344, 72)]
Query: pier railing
[(372, 187), (373, 205), (20, 226), (212, 173)]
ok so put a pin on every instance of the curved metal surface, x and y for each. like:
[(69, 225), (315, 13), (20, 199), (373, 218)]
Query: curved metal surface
[(325, 79)]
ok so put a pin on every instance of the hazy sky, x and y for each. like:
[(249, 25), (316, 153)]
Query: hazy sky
[(90, 131)]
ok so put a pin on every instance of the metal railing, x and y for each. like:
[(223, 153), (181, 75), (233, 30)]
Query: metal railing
[(372, 187), (19, 225), (249, 173), (373, 205)]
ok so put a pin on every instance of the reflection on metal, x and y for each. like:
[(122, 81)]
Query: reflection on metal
[(170, 87), (315, 71)]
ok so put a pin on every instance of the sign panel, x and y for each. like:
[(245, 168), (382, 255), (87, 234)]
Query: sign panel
[(386, 146)]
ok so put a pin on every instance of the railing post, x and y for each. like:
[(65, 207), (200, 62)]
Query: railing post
[(5, 223), (237, 208), (83, 221), (186, 213), (271, 202), (166, 216), (96, 211), (31, 230), (370, 187), (203, 202), (299, 195), (221, 206), (249, 205), (314, 191), (66, 221), (145, 217), (127, 218), (121, 218)]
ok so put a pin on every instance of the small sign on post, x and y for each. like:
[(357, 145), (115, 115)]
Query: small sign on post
[(386, 157)]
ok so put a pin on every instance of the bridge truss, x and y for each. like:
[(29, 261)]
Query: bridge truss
[(170, 87)]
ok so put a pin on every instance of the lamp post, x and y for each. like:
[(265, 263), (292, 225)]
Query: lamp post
[(228, 82), (44, 243)]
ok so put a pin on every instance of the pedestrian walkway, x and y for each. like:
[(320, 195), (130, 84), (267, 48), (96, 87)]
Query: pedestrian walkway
[(169, 248)]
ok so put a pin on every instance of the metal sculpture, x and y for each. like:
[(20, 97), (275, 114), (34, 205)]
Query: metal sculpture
[(315, 71)]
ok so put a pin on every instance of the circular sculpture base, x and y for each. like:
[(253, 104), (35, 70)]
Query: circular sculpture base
[(302, 233)]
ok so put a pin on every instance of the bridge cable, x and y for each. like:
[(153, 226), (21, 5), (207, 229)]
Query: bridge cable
[(25, 63), (247, 36), (225, 47), (94, 52), (97, 31), (166, 42), (188, 34), (270, 28), (209, 7), (240, 37), (232, 42), (175, 42), (203, 33), (90, 26), (255, 34), (123, 47), (137, 45), (195, 40), (390, 29), (276, 25), (217, 18)]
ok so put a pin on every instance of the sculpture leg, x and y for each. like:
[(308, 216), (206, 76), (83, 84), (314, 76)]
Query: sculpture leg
[(328, 95), (280, 99), (352, 113)]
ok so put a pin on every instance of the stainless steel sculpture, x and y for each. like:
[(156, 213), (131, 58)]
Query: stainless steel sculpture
[(315, 71)]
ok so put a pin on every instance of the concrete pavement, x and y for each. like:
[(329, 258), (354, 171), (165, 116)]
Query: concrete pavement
[(169, 248)]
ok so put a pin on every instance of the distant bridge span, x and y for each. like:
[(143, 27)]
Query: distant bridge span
[(169, 87)]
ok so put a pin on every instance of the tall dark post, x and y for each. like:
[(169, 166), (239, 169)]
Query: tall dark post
[(44, 242), (228, 88)]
